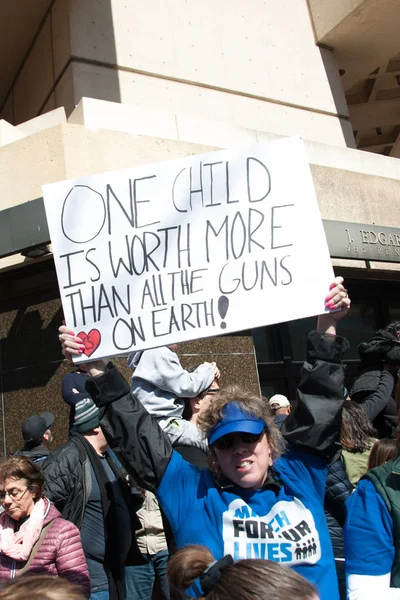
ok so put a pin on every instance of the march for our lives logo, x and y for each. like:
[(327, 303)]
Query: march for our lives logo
[(287, 534)]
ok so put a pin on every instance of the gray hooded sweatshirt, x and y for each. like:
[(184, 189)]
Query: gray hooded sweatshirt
[(161, 384)]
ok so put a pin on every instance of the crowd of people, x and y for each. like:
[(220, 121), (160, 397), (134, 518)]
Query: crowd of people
[(177, 485)]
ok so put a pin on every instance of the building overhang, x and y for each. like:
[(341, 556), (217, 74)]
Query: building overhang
[(363, 33), (21, 21)]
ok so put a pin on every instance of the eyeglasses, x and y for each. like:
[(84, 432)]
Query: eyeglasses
[(13, 494), (228, 441)]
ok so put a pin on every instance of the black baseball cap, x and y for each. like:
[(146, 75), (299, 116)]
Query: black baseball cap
[(34, 427)]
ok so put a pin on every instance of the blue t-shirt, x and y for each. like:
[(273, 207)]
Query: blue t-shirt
[(286, 525), (368, 532)]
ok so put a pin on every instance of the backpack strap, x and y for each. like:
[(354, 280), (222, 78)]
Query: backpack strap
[(35, 549)]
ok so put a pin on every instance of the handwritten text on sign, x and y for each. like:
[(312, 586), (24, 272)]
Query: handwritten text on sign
[(189, 248)]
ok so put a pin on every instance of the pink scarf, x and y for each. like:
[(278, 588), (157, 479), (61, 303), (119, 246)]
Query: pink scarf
[(19, 544)]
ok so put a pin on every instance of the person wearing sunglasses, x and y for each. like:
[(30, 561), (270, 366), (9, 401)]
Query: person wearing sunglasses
[(194, 407), (263, 495), (34, 538), (201, 402), (161, 384)]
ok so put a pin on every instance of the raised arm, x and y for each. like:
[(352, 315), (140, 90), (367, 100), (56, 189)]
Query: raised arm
[(140, 444), (314, 423), (377, 401)]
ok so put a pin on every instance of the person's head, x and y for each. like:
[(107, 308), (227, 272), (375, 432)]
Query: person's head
[(394, 328), (357, 430), (279, 405), (21, 486), (87, 423), (242, 436), (254, 579), (40, 587), (382, 451), (201, 402), (36, 430)]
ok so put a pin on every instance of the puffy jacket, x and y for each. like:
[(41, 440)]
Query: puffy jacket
[(68, 480), (338, 489), (375, 386), (339, 486), (37, 454), (60, 553)]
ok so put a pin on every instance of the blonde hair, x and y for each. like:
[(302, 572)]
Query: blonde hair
[(253, 579), (249, 403)]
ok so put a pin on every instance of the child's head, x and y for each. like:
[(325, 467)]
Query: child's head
[(253, 579)]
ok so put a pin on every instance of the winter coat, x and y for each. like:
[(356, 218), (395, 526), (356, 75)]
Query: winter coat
[(338, 489), (373, 381), (382, 347), (68, 483), (68, 480), (60, 553), (37, 454)]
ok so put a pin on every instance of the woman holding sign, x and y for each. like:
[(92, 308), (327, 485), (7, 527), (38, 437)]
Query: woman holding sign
[(259, 499)]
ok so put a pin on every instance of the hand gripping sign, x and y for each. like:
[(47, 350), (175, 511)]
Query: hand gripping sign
[(189, 248)]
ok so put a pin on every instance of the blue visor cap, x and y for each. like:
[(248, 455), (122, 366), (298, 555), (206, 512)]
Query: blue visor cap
[(234, 419)]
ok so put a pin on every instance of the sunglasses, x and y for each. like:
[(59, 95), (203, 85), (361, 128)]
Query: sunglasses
[(228, 441)]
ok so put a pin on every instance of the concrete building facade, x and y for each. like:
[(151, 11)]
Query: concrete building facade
[(93, 86)]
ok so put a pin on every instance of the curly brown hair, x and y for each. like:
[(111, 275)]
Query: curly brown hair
[(249, 403)]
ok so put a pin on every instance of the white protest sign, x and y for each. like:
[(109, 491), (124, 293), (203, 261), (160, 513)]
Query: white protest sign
[(189, 248)]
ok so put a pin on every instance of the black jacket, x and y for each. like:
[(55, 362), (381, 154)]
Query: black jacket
[(68, 480), (38, 454), (338, 489), (373, 390), (383, 347)]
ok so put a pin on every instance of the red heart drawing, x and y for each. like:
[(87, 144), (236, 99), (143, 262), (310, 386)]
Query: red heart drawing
[(91, 341)]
